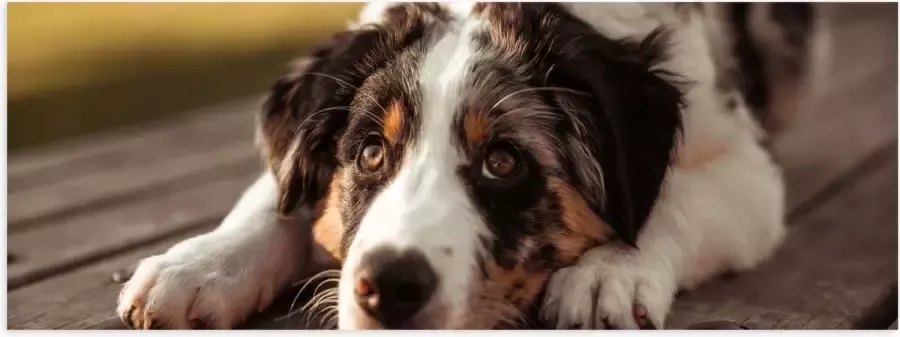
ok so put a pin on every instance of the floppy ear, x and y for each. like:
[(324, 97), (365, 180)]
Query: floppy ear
[(626, 131), (305, 112)]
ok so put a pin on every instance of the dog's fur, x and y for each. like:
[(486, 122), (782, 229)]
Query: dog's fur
[(637, 170)]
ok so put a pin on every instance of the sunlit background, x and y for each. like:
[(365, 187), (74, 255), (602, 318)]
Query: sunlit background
[(77, 68)]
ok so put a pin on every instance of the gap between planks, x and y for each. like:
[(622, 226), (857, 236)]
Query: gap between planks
[(126, 144), (89, 236), (84, 297)]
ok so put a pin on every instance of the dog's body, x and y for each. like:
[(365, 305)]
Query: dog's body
[(463, 163)]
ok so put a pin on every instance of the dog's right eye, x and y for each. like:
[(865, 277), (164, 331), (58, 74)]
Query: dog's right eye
[(501, 163), (371, 157)]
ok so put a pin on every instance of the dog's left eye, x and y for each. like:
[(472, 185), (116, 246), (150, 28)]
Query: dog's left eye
[(371, 157), (500, 163)]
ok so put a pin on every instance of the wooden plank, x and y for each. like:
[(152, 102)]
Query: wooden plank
[(189, 132), (851, 109), (65, 197), (84, 298), (120, 194), (91, 235), (836, 263)]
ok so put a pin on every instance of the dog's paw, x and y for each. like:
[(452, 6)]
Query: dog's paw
[(609, 288), (196, 284)]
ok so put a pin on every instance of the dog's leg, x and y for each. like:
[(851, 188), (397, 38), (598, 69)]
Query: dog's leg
[(726, 214), (219, 278)]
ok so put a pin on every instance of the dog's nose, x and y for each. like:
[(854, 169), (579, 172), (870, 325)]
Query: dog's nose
[(392, 286)]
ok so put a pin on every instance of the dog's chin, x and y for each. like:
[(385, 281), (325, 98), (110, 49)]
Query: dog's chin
[(428, 320), (436, 315), (433, 317)]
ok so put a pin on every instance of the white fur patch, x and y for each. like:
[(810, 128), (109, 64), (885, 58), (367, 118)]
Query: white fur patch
[(426, 207), (721, 208)]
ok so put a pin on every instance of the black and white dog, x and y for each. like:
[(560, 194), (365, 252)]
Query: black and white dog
[(463, 164)]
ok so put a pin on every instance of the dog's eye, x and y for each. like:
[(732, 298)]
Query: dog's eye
[(500, 163), (372, 155)]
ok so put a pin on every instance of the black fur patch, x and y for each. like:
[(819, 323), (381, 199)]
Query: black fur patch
[(630, 116), (309, 110)]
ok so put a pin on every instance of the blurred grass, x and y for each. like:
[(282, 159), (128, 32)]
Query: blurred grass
[(77, 68)]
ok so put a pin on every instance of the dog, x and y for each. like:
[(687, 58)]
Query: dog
[(465, 164)]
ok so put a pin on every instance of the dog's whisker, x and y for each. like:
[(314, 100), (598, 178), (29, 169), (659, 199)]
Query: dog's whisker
[(359, 93), (326, 315), (335, 78), (315, 300), (335, 272), (322, 299), (329, 318), (322, 309), (308, 118), (375, 118), (325, 299), (558, 89), (526, 113), (328, 274)]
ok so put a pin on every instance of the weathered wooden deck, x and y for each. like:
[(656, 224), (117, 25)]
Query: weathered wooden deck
[(80, 211)]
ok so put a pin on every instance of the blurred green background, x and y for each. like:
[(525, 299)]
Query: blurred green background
[(79, 68)]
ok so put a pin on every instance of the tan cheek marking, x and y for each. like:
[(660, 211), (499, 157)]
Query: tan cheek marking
[(582, 224), (475, 125), (328, 229), (504, 294), (393, 122), (570, 245), (577, 216)]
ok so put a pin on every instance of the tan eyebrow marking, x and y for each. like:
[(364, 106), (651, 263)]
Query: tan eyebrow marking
[(393, 122), (475, 126)]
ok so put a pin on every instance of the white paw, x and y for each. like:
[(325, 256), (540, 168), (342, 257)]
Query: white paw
[(201, 282), (609, 288)]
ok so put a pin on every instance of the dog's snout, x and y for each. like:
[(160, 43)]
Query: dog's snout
[(392, 286)]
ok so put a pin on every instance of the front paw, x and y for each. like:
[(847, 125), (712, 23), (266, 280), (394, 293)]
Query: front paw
[(609, 288), (193, 285)]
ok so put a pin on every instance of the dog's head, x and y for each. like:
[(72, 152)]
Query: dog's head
[(468, 152)]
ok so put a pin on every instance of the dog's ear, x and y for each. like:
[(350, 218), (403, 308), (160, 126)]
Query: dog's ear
[(307, 110), (625, 132), (304, 113)]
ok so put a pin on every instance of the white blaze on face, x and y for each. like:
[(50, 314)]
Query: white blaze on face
[(426, 206)]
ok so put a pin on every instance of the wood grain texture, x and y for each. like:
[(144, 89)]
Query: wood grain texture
[(109, 169), (97, 189), (83, 298), (107, 201), (91, 235), (837, 262), (192, 131), (850, 109)]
